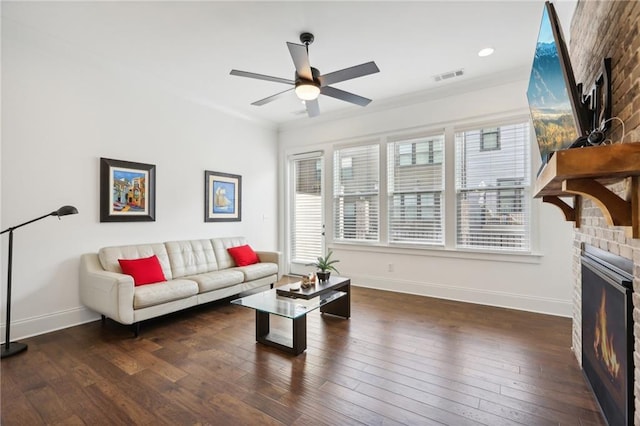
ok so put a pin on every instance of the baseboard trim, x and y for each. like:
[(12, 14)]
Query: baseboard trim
[(34, 326), (542, 305), (41, 324)]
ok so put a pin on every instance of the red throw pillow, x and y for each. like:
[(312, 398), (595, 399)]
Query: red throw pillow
[(243, 255), (144, 271)]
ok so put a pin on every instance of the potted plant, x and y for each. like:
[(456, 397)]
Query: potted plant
[(324, 266)]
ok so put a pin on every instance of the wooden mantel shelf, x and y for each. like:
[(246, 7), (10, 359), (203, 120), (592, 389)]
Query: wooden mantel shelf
[(585, 172)]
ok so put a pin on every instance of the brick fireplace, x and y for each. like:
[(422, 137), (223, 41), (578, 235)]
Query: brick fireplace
[(609, 29)]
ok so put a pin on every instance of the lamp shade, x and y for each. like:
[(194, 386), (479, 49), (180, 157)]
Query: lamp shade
[(307, 91), (65, 211)]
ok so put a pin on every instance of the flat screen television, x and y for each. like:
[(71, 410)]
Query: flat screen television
[(557, 112)]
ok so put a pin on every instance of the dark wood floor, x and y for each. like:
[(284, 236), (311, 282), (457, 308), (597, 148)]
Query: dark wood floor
[(400, 359)]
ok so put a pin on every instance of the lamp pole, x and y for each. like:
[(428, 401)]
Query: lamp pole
[(11, 348)]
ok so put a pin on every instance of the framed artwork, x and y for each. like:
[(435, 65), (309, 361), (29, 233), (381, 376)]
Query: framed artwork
[(222, 197), (127, 191)]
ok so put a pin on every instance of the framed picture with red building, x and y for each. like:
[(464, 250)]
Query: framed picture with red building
[(127, 191)]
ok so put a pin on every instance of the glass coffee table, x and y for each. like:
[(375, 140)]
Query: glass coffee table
[(331, 297)]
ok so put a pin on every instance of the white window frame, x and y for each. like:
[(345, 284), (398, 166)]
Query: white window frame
[(426, 176), (365, 205), (525, 189), (286, 221), (449, 248)]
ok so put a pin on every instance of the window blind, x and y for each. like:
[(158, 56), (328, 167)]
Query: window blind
[(492, 188), (356, 193), (415, 183), (307, 232)]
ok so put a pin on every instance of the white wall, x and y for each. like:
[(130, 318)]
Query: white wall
[(62, 110), (539, 282)]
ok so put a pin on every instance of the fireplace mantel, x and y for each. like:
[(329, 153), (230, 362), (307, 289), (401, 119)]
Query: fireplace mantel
[(584, 172)]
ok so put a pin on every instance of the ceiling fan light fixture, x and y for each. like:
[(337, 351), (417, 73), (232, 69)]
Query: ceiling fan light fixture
[(307, 91)]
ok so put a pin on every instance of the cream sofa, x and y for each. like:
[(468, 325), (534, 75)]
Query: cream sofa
[(197, 271)]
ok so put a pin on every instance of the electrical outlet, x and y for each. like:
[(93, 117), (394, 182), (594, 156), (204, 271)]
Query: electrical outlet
[(390, 267)]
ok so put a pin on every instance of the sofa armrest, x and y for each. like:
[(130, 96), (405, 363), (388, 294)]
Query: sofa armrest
[(271, 257), (108, 293)]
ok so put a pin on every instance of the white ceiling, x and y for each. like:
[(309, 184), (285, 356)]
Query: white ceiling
[(189, 48)]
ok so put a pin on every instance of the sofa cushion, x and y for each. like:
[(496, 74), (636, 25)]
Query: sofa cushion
[(217, 279), (156, 294), (144, 271), (243, 255), (257, 271), (191, 257), (220, 246), (109, 256)]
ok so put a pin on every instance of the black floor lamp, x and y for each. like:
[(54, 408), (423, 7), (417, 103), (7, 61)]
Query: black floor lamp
[(10, 348)]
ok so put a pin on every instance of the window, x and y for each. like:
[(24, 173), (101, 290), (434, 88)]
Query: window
[(412, 153), (405, 154), (346, 168), (489, 139), (510, 196), (307, 220), (492, 188), (356, 193), (488, 189), (415, 194)]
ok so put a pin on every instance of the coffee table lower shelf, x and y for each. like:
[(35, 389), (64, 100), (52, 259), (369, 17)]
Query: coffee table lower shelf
[(331, 297)]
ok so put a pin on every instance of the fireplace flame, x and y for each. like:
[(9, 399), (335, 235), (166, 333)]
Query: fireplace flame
[(603, 343)]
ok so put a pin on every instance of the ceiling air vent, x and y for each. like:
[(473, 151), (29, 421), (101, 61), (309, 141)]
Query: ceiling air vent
[(448, 75)]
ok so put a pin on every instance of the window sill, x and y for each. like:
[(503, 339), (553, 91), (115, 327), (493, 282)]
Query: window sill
[(440, 251)]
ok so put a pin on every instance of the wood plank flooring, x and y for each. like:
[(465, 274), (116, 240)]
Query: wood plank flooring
[(400, 359)]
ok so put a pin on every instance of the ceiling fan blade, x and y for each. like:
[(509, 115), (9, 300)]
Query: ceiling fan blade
[(344, 96), (313, 109), (271, 98), (262, 77), (348, 73), (301, 60)]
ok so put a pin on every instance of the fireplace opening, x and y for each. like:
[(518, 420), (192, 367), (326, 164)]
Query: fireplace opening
[(607, 332)]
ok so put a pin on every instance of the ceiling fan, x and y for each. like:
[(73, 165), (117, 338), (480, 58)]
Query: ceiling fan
[(309, 84)]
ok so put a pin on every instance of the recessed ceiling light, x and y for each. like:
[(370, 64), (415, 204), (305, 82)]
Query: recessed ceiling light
[(486, 51)]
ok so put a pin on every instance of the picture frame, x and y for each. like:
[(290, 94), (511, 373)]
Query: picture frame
[(127, 191), (222, 197)]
